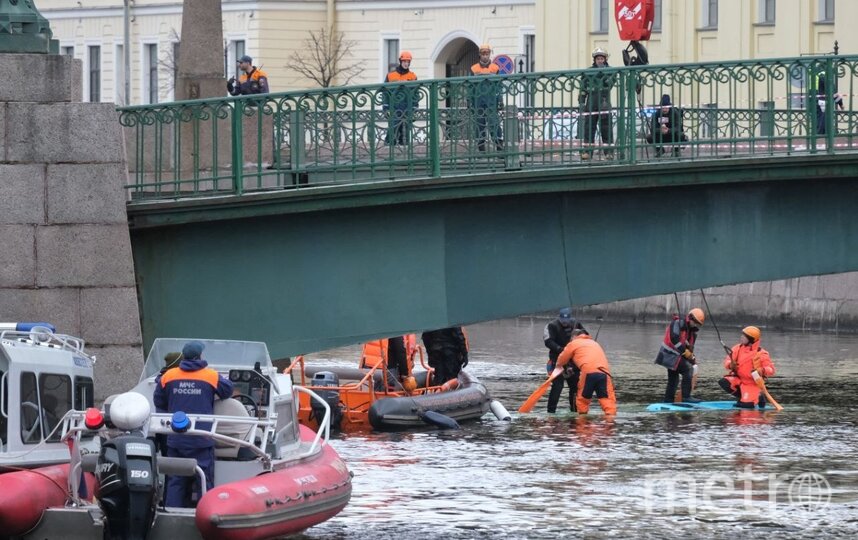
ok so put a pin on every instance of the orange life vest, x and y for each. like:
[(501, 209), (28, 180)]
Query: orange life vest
[(395, 76), (373, 353), (478, 69)]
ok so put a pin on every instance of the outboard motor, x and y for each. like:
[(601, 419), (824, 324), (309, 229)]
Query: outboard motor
[(127, 486), (331, 397), (127, 471)]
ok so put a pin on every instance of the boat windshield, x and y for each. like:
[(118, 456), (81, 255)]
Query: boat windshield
[(221, 355)]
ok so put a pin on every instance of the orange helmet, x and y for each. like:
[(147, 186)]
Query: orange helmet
[(410, 384), (486, 47), (697, 315), (405, 55), (752, 332)]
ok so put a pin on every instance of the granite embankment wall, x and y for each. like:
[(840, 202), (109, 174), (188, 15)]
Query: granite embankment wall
[(819, 303), (67, 251)]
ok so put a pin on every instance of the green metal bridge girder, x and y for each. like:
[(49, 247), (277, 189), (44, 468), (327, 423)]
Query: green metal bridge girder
[(304, 271)]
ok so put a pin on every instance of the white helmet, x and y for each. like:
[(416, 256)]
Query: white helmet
[(598, 51)]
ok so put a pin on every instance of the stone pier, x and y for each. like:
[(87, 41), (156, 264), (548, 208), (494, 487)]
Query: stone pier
[(62, 215)]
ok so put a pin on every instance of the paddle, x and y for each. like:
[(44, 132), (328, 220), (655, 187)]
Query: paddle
[(762, 384), (539, 392)]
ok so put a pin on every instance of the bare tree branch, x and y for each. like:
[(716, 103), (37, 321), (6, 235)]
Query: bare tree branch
[(323, 59), (168, 61)]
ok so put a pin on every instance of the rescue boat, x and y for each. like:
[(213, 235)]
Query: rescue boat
[(373, 397), (273, 477), (42, 376)]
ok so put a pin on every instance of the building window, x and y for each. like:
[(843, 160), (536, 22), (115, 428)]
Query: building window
[(150, 72), (656, 20), (391, 54), (826, 10), (767, 11), (68, 51), (94, 73), (119, 78), (237, 49), (710, 13), (601, 15), (529, 63)]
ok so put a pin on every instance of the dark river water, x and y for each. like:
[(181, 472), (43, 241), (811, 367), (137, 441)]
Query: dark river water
[(719, 474)]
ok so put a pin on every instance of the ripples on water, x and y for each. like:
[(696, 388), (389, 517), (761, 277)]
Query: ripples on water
[(641, 475)]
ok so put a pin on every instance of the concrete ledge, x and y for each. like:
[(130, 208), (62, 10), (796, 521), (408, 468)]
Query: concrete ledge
[(109, 316), (40, 78), (84, 256), (60, 307), (86, 193), (22, 194), (63, 133), (18, 265), (117, 368)]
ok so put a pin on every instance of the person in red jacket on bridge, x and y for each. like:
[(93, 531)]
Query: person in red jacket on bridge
[(747, 363), (589, 357)]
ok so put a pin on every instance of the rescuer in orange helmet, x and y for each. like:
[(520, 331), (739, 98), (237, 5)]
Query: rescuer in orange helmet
[(487, 101), (677, 354), (401, 102), (746, 364)]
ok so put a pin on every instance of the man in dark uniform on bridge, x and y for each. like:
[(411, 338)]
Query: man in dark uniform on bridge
[(557, 335), (191, 387), (447, 349)]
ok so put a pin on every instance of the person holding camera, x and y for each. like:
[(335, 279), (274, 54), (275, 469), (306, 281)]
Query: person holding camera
[(252, 81)]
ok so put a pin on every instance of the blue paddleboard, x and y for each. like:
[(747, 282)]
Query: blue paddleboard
[(702, 406)]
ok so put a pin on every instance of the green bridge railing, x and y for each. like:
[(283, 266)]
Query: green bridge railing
[(462, 126)]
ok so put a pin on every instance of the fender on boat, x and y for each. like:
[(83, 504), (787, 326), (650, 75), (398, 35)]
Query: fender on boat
[(286, 501), (499, 410), (25, 495), (468, 402)]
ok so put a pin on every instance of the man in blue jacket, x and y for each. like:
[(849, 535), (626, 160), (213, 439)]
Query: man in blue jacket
[(191, 387)]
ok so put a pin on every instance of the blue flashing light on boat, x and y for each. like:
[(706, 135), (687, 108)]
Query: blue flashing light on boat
[(28, 326), (180, 422)]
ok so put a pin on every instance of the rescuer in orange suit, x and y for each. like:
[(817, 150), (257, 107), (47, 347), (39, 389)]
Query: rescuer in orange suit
[(401, 102), (747, 363), (487, 101), (589, 357)]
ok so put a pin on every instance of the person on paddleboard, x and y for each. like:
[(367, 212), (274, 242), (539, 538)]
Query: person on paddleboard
[(746, 364), (557, 334), (590, 360), (677, 354)]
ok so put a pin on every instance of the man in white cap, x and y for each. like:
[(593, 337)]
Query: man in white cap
[(595, 102)]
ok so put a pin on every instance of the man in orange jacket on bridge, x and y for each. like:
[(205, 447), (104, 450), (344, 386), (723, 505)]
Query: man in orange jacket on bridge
[(747, 363), (589, 357)]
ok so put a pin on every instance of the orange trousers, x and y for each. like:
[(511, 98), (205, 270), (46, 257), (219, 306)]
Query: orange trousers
[(600, 384)]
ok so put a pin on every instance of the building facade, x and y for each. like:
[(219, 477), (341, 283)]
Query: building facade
[(695, 30), (443, 36)]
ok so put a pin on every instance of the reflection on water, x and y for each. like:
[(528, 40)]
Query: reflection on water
[(643, 475)]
